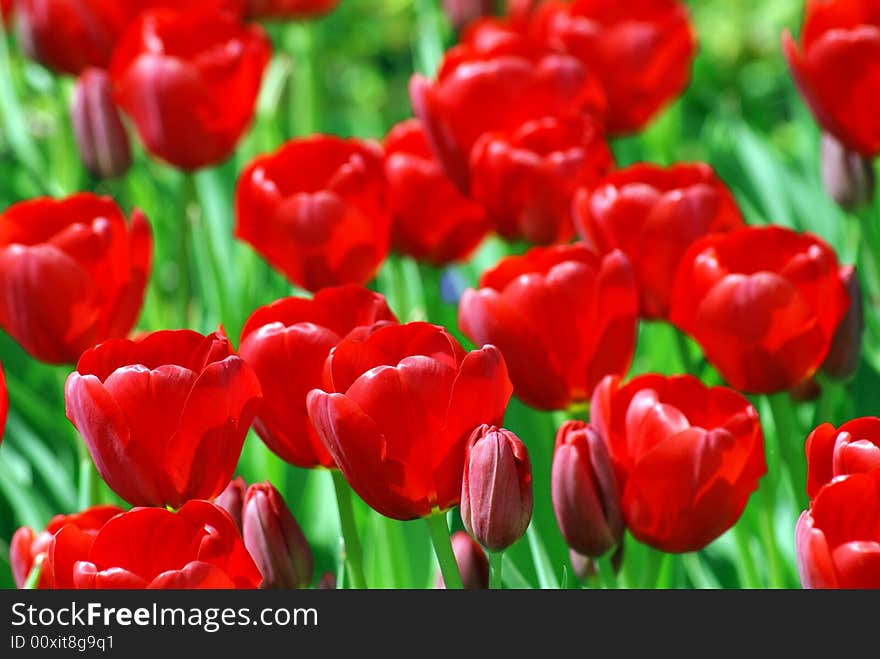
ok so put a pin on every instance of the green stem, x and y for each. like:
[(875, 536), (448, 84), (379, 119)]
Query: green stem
[(87, 492), (443, 549), (790, 440), (543, 566), (351, 545), (666, 572), (429, 46), (748, 569), (33, 578), (606, 571), (184, 288), (768, 536), (302, 90), (496, 561)]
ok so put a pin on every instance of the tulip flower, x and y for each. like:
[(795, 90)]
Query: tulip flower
[(189, 81), (686, 456), (72, 273), (27, 545), (838, 539), (653, 214), (763, 302), (164, 417), (586, 498), (848, 176), (641, 51), (316, 210), (289, 9), (433, 221), (196, 547), (402, 402), (480, 90), (473, 564), (563, 317), (854, 448), (231, 499), (496, 490), (286, 343), (843, 355), (526, 179), (837, 69), (275, 540), (97, 127)]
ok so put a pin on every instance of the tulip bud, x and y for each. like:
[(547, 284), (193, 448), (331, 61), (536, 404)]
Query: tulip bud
[(232, 499), (848, 176), (97, 127), (584, 490), (496, 490), (473, 564), (274, 539), (843, 356), (584, 567), (462, 12)]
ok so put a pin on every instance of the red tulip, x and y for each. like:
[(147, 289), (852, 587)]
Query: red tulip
[(274, 539), (190, 81), (316, 210), (27, 545), (563, 318), (97, 127), (854, 448), (846, 346), (196, 547), (231, 499), (403, 401), (289, 9), (763, 302), (686, 456), (838, 539), (527, 178), (433, 221), (462, 12), (641, 50), (848, 176), (164, 417), (286, 343), (497, 87), (4, 402), (473, 564), (837, 69), (72, 273), (496, 489), (653, 214), (70, 35), (586, 498)]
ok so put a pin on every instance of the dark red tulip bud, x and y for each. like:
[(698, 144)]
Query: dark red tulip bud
[(232, 499), (585, 493), (843, 356), (274, 539), (97, 127), (496, 491), (805, 391), (473, 564), (462, 12), (584, 567), (848, 175)]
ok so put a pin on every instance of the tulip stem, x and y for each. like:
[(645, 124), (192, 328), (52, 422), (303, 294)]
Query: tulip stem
[(496, 561), (184, 289), (87, 493), (607, 574), (429, 45), (303, 89), (443, 549), (33, 578), (543, 566), (790, 441), (351, 545)]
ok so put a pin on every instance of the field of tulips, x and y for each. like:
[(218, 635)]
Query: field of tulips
[(414, 293)]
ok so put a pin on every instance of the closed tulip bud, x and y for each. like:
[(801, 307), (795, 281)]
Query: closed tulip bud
[(848, 175), (97, 127), (232, 499), (843, 356), (496, 491), (275, 540), (585, 493), (462, 12), (473, 564), (584, 567)]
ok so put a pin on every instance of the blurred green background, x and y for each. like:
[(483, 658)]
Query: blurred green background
[(347, 74)]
